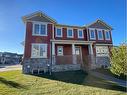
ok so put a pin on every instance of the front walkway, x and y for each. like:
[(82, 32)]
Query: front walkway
[(106, 77)]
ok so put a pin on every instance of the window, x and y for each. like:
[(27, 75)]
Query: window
[(102, 51), (39, 51), (92, 34), (60, 50), (70, 33), (36, 29), (39, 29), (100, 34), (80, 34), (43, 29), (59, 32), (107, 35)]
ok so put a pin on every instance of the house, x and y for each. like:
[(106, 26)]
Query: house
[(57, 47), (10, 58)]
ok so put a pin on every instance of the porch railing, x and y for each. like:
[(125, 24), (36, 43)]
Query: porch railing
[(87, 62), (67, 59)]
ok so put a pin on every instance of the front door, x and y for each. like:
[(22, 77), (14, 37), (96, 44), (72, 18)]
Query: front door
[(78, 53)]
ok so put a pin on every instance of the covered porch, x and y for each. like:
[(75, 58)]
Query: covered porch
[(71, 52)]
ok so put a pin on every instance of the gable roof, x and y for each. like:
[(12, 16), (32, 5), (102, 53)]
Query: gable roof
[(38, 16), (41, 16), (99, 23)]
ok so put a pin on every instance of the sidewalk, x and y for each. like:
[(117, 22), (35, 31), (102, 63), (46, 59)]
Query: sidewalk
[(106, 77), (10, 67)]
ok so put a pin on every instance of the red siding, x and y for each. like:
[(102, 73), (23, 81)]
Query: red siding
[(36, 39), (67, 49), (67, 53), (85, 35), (96, 35), (85, 50), (46, 39), (28, 39)]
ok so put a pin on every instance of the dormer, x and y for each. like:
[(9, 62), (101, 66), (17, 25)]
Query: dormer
[(39, 23), (99, 31)]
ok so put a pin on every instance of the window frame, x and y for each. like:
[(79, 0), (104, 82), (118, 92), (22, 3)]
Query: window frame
[(101, 33), (58, 50), (56, 32), (102, 51), (82, 33), (68, 33), (39, 50), (90, 34), (39, 23), (108, 34)]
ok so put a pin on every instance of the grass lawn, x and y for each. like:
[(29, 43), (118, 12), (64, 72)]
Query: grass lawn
[(63, 83)]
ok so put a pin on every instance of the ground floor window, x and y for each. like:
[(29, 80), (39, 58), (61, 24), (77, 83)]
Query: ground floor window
[(39, 50), (60, 50), (102, 51)]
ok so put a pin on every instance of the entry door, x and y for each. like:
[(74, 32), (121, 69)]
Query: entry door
[(78, 53)]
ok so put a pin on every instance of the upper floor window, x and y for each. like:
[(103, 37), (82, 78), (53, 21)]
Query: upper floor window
[(92, 34), (107, 35), (59, 32), (100, 34), (80, 33), (40, 29), (36, 28), (39, 50), (70, 33)]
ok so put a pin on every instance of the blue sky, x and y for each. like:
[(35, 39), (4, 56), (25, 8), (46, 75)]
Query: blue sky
[(72, 12)]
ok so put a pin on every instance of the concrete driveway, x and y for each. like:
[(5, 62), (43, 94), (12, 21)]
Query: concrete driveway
[(119, 82), (10, 67)]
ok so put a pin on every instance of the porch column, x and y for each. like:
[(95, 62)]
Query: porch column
[(73, 49), (53, 48), (92, 59), (53, 53), (91, 49), (73, 54)]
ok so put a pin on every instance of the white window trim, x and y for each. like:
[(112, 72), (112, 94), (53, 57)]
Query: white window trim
[(56, 32), (98, 34), (90, 34), (39, 50), (68, 33), (39, 29), (109, 35), (82, 33), (102, 51), (58, 50)]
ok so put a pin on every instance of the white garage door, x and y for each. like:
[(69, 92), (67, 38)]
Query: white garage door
[(102, 51)]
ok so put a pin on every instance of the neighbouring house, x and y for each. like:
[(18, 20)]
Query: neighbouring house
[(56, 47), (10, 58)]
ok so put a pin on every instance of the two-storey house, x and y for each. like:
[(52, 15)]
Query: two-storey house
[(58, 47)]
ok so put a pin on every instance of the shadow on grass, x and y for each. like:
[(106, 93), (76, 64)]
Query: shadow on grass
[(82, 78), (11, 83)]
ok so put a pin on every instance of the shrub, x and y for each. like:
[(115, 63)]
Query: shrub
[(118, 60)]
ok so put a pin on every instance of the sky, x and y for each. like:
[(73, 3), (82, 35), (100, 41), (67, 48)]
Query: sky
[(72, 12)]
